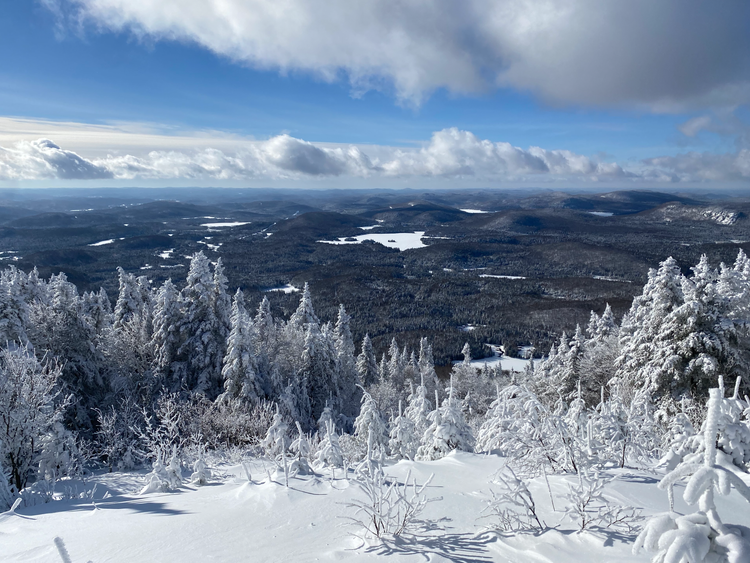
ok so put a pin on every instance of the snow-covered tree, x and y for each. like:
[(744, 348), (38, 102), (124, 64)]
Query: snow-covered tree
[(202, 343), (276, 440), (166, 339), (403, 442), (701, 536), (447, 432), (370, 423), (30, 409), (240, 371), (329, 451), (345, 365), (419, 408), (367, 364)]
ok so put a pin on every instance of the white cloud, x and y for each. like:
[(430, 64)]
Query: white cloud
[(666, 55), (452, 152), (43, 159), (449, 154), (700, 167)]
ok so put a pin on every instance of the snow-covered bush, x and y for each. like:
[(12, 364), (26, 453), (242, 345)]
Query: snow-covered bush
[(701, 536), (513, 508), (201, 473), (447, 432), (7, 498), (300, 449), (403, 442), (370, 425), (389, 508), (158, 480), (163, 430), (276, 440), (329, 452), (117, 439), (233, 423), (524, 430), (589, 508), (30, 409)]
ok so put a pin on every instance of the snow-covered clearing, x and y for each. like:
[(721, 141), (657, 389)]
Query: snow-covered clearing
[(220, 225), (166, 254), (288, 288), (402, 241), (601, 213), (102, 242), (370, 227), (605, 278), (473, 210), (234, 520), (502, 277)]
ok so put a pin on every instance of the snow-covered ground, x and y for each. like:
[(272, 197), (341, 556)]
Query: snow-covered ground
[(229, 224), (473, 211), (402, 241), (288, 288), (232, 519), (601, 213), (498, 357), (166, 254), (502, 277)]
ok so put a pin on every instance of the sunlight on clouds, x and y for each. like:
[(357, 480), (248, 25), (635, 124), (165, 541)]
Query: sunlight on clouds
[(138, 152)]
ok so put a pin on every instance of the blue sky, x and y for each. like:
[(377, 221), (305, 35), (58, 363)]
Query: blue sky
[(151, 75)]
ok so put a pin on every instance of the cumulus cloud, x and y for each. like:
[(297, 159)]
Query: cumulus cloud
[(450, 153), (666, 55), (43, 159)]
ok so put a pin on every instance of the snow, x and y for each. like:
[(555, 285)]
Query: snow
[(467, 328), (166, 254), (108, 241), (401, 241), (233, 520), (370, 227), (502, 277), (473, 211), (601, 213), (505, 362), (288, 288), (219, 225), (605, 278)]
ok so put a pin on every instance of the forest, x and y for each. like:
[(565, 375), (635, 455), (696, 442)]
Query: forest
[(168, 378)]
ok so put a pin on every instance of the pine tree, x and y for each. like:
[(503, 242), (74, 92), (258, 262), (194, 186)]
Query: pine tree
[(345, 365), (448, 431), (403, 441), (661, 295), (167, 337), (240, 371), (367, 364), (370, 422), (202, 346)]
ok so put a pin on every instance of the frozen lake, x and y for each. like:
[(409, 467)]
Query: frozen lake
[(402, 241)]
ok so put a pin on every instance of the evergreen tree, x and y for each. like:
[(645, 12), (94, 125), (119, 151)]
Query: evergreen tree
[(367, 364), (202, 346), (345, 365), (240, 371), (166, 339), (370, 423)]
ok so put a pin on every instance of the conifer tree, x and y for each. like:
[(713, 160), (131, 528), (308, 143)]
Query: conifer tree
[(367, 364), (240, 373)]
